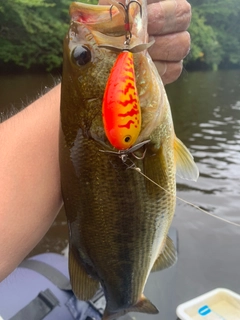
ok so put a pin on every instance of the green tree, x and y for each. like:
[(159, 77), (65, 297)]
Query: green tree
[(215, 32), (32, 31), (205, 46)]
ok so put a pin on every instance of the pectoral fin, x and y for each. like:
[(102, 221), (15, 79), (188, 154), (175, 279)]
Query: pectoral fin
[(167, 258), (83, 286), (185, 165)]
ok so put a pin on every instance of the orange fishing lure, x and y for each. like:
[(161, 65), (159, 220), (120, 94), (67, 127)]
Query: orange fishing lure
[(121, 108)]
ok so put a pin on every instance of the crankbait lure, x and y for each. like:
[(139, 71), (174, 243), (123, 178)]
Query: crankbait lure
[(121, 108)]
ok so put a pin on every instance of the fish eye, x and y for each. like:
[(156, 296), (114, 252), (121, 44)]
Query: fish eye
[(82, 55)]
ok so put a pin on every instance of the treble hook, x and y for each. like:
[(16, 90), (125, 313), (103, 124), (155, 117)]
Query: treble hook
[(124, 154), (128, 34)]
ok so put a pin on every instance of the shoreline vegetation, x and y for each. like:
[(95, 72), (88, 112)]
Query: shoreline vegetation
[(32, 32)]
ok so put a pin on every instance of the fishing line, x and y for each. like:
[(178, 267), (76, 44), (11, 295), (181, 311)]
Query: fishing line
[(185, 201)]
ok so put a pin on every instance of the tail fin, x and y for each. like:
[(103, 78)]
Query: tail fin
[(143, 305)]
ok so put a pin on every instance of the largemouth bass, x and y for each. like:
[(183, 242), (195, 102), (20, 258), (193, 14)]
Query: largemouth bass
[(118, 220)]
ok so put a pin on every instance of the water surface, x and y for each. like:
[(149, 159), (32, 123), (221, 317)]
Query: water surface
[(206, 110)]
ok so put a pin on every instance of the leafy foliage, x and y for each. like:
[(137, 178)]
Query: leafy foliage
[(32, 32), (215, 32), (205, 45)]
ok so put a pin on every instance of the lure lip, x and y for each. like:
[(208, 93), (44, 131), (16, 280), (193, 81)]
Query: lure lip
[(133, 49)]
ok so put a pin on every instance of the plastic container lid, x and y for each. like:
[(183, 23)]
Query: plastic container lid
[(218, 304)]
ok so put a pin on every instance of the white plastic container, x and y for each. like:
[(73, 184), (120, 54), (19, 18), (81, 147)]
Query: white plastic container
[(218, 304)]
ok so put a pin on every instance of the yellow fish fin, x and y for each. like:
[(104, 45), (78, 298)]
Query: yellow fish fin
[(143, 305), (167, 258), (83, 286), (185, 165)]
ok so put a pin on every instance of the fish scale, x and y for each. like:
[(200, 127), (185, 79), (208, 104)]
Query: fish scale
[(118, 214)]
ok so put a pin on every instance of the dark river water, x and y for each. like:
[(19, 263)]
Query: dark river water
[(206, 112)]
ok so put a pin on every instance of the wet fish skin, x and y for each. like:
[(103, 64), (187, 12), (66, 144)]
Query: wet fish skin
[(115, 240), (118, 220)]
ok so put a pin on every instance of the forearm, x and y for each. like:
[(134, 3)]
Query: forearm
[(29, 178)]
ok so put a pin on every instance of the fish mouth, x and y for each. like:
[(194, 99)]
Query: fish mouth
[(109, 20), (98, 18)]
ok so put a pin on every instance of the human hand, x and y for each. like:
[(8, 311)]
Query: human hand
[(168, 21)]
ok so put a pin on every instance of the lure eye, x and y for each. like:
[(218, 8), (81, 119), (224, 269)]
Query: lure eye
[(82, 55), (127, 139)]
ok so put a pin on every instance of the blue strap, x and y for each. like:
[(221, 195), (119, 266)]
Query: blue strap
[(38, 308), (49, 272)]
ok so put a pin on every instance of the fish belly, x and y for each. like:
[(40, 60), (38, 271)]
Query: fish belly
[(117, 219)]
